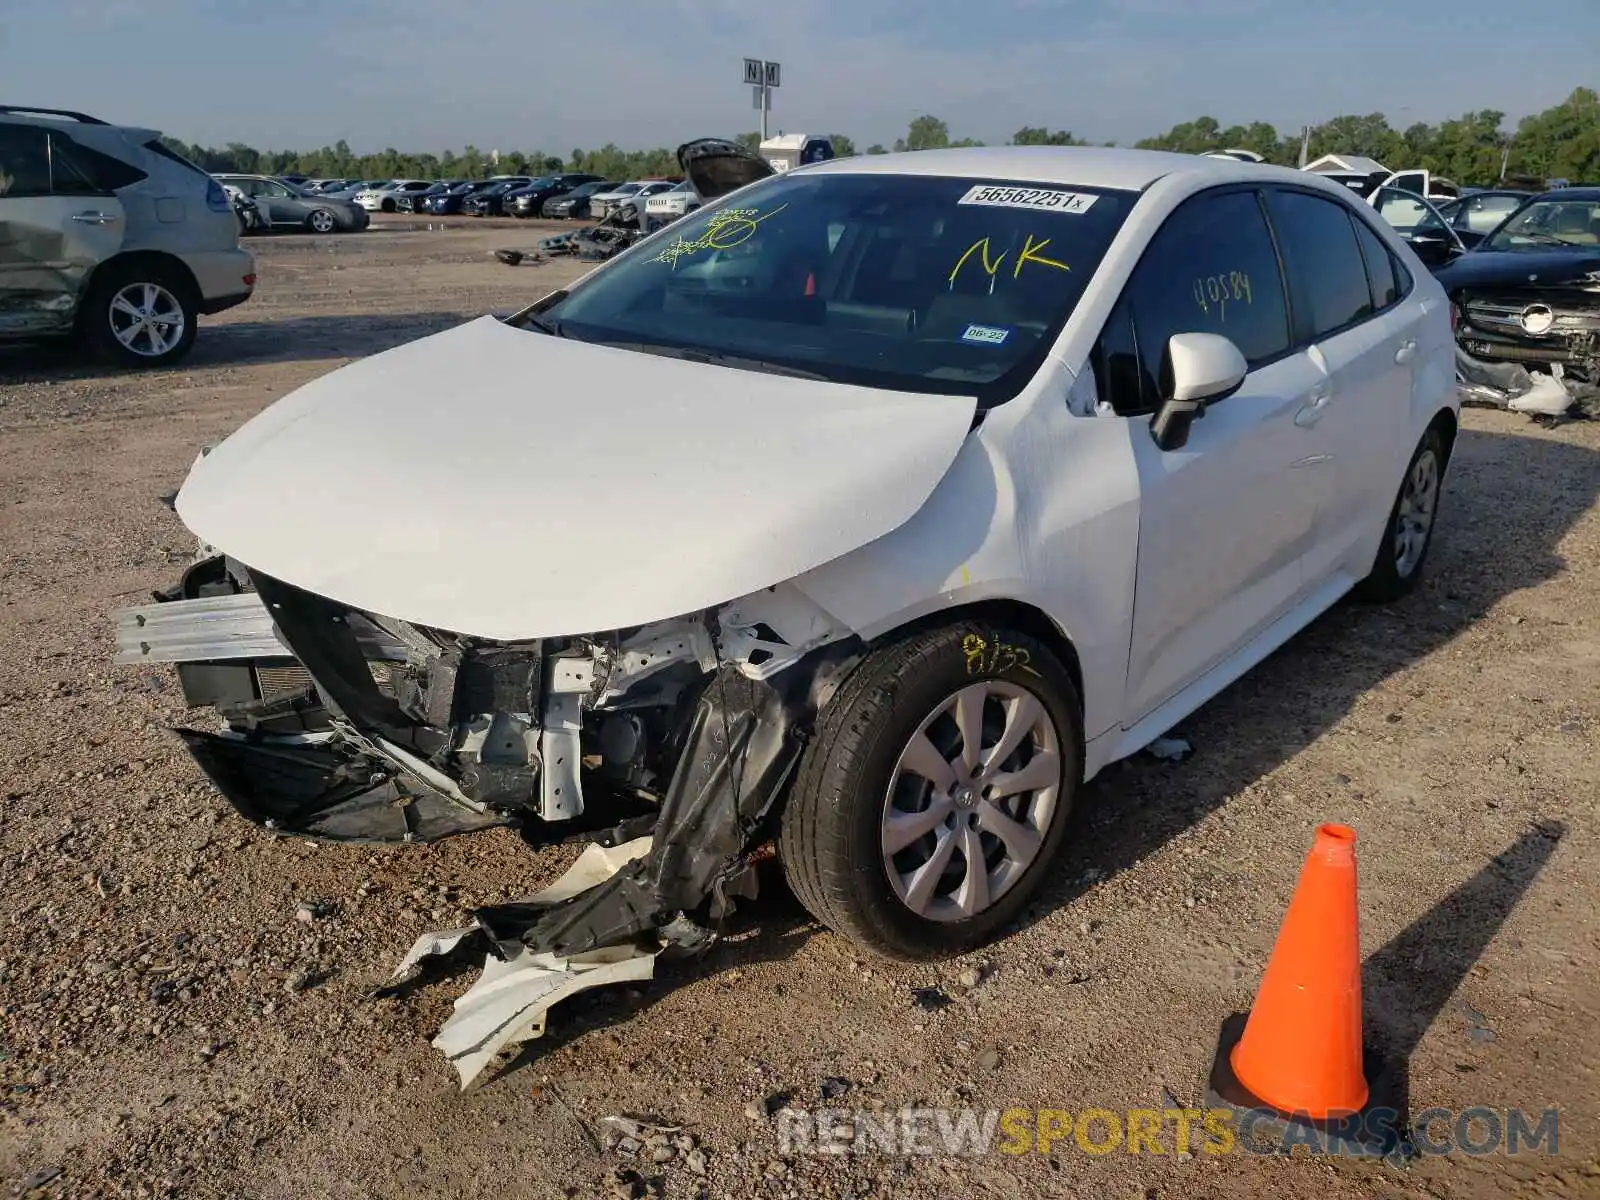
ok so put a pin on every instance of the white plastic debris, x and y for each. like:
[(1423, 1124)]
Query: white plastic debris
[(1169, 749), (1548, 397), (511, 999)]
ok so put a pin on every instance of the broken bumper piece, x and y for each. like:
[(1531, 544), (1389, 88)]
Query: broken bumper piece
[(513, 996), (313, 790)]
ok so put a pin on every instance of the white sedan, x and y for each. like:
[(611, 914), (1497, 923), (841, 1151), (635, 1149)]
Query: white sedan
[(905, 493)]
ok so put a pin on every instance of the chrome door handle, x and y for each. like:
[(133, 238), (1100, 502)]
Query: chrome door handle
[(1407, 351), (95, 218), (1311, 413)]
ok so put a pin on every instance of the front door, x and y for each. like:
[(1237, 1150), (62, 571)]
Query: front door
[(56, 226), (1226, 520)]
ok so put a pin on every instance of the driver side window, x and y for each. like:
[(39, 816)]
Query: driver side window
[(1211, 268)]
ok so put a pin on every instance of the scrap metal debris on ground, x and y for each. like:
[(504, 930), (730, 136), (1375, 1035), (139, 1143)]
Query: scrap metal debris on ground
[(1169, 749), (1555, 396), (593, 244), (509, 1003)]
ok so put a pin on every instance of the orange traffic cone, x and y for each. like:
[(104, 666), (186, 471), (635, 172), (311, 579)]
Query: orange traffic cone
[(1301, 1049), (1298, 1057)]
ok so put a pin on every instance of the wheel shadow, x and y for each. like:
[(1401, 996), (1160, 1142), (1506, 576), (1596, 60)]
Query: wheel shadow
[(1508, 503)]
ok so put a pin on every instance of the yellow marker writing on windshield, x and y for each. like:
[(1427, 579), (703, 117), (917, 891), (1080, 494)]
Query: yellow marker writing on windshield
[(980, 247), (1031, 252)]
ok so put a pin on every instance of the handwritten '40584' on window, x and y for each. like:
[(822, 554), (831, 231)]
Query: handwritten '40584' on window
[(1214, 291)]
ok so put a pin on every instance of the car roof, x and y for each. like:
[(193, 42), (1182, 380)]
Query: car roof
[(1581, 194), (1083, 166), (65, 120)]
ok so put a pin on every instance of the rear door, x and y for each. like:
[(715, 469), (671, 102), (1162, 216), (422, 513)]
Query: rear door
[(56, 226), (1350, 317), (1225, 521)]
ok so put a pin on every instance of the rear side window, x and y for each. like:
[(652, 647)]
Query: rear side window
[(81, 170), (1327, 277), (40, 162), (1380, 266), (1211, 268)]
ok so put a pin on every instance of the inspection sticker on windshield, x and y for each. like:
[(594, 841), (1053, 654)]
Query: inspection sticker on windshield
[(1048, 199), (991, 335)]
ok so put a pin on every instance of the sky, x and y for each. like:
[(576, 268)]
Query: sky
[(426, 75)]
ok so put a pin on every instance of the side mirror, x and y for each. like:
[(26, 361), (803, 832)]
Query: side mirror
[(1196, 369)]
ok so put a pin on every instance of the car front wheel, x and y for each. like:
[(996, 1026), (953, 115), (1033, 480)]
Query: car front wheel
[(936, 791)]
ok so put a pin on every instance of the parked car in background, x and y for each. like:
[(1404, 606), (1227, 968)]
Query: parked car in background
[(634, 192), (412, 202), (528, 200), (1000, 551), (600, 202), (296, 180), (1474, 215), (490, 201), (352, 188), (282, 205), (383, 198), (110, 237), (667, 206), (449, 201), (1529, 292), (1419, 221), (575, 204)]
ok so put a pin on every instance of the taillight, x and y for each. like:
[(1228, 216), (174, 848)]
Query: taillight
[(216, 198), (250, 280)]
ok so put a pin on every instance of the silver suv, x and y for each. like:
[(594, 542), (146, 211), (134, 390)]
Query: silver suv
[(108, 236)]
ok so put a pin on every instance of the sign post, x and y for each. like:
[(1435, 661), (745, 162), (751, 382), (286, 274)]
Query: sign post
[(762, 76)]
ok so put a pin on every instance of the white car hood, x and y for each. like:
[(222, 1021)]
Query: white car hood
[(510, 484)]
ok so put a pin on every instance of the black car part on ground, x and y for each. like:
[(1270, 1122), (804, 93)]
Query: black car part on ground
[(743, 745)]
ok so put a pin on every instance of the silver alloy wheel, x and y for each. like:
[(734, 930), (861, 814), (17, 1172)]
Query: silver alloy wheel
[(970, 800), (322, 220), (1418, 498), (147, 319)]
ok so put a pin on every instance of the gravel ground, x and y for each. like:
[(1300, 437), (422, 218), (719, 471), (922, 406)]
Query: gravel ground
[(170, 1026)]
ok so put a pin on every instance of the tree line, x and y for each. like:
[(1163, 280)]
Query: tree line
[(1475, 148)]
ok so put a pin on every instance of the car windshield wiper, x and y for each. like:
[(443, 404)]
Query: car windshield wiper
[(543, 324), (718, 359)]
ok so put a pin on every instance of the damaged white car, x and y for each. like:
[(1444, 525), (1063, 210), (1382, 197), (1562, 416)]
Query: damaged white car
[(906, 492)]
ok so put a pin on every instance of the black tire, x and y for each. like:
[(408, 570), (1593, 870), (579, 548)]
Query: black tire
[(322, 220), (388, 206), (99, 321), (830, 833), (1393, 574)]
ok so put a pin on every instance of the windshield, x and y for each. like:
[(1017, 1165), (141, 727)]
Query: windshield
[(916, 283), (1552, 222)]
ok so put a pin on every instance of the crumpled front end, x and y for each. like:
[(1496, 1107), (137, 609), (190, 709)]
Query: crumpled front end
[(350, 725), (1535, 325)]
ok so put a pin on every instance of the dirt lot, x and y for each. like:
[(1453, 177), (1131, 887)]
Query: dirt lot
[(168, 1026)]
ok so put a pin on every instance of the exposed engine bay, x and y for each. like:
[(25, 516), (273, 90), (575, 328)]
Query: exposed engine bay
[(1532, 343), (351, 726)]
